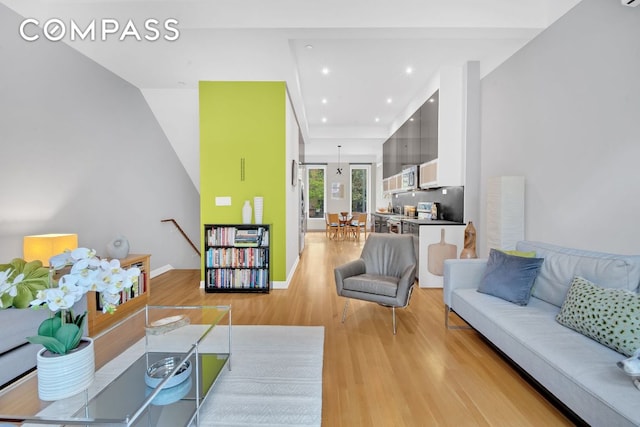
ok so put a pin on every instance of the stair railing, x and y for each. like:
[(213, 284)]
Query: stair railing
[(183, 233)]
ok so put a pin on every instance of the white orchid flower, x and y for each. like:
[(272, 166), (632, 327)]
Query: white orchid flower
[(87, 273), (56, 299)]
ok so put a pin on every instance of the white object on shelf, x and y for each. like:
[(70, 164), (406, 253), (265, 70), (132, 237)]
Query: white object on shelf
[(258, 205), (246, 212)]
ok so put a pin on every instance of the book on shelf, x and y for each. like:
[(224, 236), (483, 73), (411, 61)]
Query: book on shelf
[(248, 237)]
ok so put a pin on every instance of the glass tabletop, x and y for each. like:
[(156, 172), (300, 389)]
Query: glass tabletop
[(181, 343)]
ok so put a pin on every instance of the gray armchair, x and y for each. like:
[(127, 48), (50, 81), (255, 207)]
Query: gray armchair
[(384, 273)]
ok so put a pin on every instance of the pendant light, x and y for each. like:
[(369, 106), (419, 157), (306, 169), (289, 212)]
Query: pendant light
[(339, 169)]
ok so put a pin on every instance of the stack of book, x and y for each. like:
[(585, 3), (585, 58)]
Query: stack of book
[(248, 237)]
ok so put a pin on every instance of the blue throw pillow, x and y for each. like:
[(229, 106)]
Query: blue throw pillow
[(510, 277)]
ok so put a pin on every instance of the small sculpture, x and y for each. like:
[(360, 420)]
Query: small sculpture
[(469, 250), (118, 248)]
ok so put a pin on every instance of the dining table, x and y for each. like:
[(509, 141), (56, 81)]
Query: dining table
[(345, 220)]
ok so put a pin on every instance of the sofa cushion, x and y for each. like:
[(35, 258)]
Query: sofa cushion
[(609, 316), (372, 284), (561, 265), (510, 277)]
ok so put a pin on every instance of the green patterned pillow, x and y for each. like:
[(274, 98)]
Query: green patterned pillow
[(609, 316)]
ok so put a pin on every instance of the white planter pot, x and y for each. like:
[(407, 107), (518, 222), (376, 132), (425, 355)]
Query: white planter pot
[(62, 376)]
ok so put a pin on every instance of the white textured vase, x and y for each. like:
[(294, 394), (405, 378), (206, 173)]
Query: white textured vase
[(246, 212), (62, 376), (258, 204)]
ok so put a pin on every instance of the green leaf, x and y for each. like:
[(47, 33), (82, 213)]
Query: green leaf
[(79, 320), (35, 278), (33, 267), (18, 265), (68, 336), (7, 300), (23, 298), (49, 327), (50, 343)]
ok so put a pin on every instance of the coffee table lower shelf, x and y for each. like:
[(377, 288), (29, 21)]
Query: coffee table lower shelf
[(171, 407), (119, 394)]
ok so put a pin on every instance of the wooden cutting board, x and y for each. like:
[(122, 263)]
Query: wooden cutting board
[(438, 252)]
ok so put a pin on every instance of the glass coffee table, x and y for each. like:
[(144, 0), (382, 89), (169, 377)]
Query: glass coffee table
[(154, 368)]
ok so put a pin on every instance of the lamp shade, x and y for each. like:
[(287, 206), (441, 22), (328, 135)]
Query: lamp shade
[(44, 246)]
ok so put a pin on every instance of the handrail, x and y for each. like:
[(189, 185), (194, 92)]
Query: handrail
[(183, 233)]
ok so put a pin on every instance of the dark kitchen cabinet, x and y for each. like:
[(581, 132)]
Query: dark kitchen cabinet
[(380, 224), (412, 145), (415, 142), (429, 129), (388, 158)]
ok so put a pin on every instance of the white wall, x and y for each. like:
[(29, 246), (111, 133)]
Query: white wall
[(292, 195), (82, 153), (564, 112)]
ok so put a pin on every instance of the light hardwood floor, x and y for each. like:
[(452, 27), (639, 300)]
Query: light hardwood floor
[(425, 375)]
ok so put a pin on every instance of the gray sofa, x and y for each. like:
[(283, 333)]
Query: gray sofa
[(579, 371), (15, 351)]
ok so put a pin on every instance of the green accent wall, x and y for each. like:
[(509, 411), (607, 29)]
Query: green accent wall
[(244, 120)]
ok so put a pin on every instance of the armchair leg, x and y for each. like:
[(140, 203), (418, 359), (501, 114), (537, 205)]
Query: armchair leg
[(344, 310), (393, 314)]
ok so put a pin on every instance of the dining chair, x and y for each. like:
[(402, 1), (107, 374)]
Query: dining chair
[(358, 223), (385, 273), (332, 225)]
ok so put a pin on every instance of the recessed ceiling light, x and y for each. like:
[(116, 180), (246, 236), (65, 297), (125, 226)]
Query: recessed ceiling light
[(389, 100), (324, 120), (324, 100), (325, 71), (309, 46), (432, 100), (411, 119), (377, 119), (409, 70)]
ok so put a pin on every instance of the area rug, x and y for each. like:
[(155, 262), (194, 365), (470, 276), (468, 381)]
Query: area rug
[(275, 380)]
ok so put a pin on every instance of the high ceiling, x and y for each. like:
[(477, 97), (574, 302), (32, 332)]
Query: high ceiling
[(366, 45)]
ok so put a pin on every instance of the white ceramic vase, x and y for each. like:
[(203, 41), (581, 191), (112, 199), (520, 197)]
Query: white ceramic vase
[(258, 205), (246, 212), (62, 376)]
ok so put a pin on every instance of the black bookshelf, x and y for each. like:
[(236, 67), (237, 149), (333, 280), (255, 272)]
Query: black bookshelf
[(237, 258)]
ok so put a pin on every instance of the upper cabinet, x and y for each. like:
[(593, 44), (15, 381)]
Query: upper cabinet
[(430, 139), (389, 159), (429, 129)]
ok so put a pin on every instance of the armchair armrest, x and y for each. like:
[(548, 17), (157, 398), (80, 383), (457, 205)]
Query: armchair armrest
[(407, 280), (461, 274), (347, 270)]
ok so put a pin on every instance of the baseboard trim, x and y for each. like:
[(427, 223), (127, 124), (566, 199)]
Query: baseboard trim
[(279, 285), (159, 271)]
